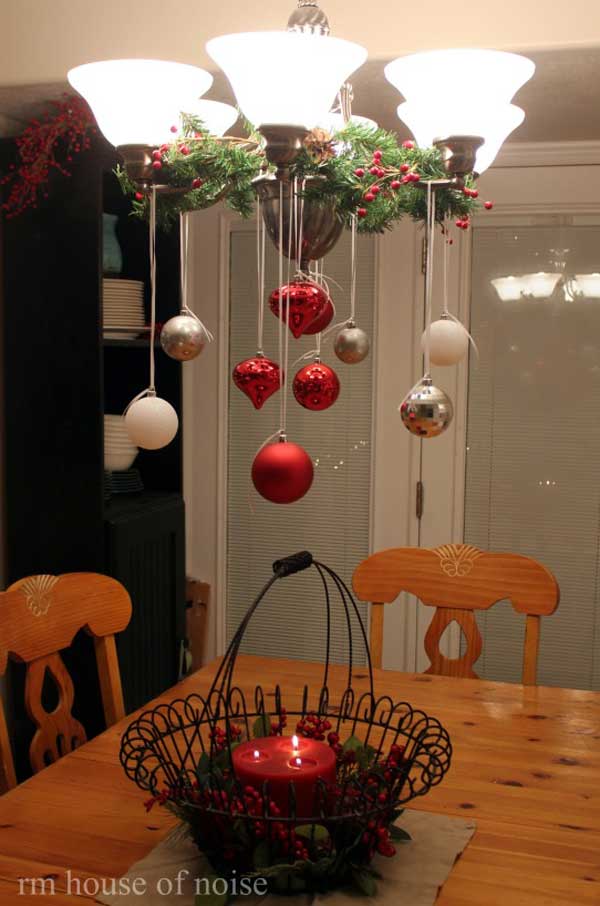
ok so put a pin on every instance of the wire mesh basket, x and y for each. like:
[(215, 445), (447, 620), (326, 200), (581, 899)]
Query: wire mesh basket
[(386, 754)]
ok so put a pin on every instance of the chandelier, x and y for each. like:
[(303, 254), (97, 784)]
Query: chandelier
[(558, 284), (311, 169)]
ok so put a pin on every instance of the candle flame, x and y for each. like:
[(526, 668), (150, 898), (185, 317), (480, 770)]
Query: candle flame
[(295, 743), (256, 754)]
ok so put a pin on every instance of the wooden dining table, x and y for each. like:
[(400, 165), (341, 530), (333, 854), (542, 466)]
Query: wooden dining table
[(526, 769)]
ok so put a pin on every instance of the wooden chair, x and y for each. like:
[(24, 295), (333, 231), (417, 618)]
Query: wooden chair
[(197, 598), (457, 579), (39, 616)]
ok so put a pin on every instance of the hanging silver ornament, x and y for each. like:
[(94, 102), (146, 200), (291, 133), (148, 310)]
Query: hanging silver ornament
[(427, 411), (183, 337), (352, 344)]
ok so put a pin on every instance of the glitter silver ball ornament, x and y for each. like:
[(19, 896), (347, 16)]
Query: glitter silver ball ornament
[(183, 337), (352, 344), (427, 411)]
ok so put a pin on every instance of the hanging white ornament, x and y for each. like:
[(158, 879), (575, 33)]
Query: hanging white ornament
[(351, 345), (426, 411), (151, 422), (184, 336), (448, 341)]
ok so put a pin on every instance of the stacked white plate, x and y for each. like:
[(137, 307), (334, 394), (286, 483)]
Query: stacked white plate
[(119, 451), (123, 307)]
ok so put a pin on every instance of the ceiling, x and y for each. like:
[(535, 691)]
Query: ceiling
[(561, 101)]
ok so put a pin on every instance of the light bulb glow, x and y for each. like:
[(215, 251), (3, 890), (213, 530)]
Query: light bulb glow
[(509, 289), (286, 78), (480, 78), (586, 285), (540, 285), (137, 101), (334, 122), (493, 124), (218, 118)]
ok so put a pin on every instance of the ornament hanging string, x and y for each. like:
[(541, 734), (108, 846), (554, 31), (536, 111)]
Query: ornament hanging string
[(260, 271), (293, 206), (184, 231), (283, 338), (446, 313), (338, 324), (430, 239), (150, 390), (152, 252)]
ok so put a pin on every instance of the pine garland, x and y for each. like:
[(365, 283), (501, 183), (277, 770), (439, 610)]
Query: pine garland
[(366, 171)]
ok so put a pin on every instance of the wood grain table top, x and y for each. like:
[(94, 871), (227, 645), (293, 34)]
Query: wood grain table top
[(526, 768)]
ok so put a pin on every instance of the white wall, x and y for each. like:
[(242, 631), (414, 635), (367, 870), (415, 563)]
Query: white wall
[(42, 39)]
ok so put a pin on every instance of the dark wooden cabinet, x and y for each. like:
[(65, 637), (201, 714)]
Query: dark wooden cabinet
[(145, 539), (59, 376)]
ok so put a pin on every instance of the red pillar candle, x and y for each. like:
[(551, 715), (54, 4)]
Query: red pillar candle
[(281, 759)]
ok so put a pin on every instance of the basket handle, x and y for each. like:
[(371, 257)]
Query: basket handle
[(295, 563)]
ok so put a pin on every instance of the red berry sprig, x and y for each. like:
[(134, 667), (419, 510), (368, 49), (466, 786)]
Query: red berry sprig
[(64, 130), (312, 726)]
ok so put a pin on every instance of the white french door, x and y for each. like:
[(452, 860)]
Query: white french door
[(520, 468), (528, 198)]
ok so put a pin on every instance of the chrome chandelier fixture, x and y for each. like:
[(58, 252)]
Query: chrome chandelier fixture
[(290, 85)]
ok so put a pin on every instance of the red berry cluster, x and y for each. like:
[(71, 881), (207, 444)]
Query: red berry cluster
[(219, 736), (377, 838), (279, 726), (55, 137), (312, 726), (387, 179)]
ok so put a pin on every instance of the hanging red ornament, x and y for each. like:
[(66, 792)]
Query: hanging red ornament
[(258, 377), (306, 302), (316, 386), (322, 321), (282, 472)]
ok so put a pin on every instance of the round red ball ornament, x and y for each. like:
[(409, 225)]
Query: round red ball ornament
[(282, 472), (322, 321), (306, 301), (316, 386), (259, 378)]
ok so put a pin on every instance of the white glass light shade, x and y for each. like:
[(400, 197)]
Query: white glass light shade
[(137, 101), (540, 285), (216, 117), (509, 289), (586, 285), (286, 78), (528, 286), (476, 77), (334, 122), (493, 123)]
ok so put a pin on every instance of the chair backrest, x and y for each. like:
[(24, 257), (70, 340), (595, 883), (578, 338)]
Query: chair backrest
[(39, 616), (457, 579)]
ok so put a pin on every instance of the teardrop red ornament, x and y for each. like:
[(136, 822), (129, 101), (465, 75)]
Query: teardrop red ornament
[(316, 386), (322, 321), (259, 378), (306, 302), (282, 472)]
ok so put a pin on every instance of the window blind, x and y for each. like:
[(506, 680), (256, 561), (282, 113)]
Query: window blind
[(533, 445)]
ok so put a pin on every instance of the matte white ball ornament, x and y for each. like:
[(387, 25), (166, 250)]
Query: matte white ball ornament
[(151, 422), (448, 342)]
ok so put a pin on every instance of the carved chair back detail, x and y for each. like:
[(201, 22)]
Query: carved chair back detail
[(40, 616), (457, 579)]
